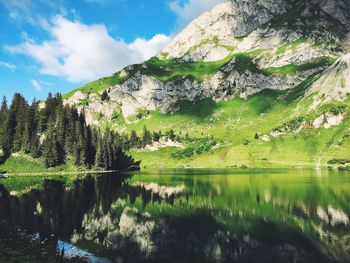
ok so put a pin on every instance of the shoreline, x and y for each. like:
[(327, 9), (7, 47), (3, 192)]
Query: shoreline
[(150, 169), (56, 173)]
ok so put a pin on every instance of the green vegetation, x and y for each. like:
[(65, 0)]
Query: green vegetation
[(238, 120), (240, 39), (291, 46), (293, 68), (338, 161), (167, 70), (164, 70), (84, 102), (98, 85), (214, 40), (197, 146), (55, 136), (236, 202), (174, 70), (182, 154), (27, 182), (27, 164), (244, 62), (299, 91), (292, 125)]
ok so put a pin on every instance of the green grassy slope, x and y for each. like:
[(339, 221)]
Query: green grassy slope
[(236, 122), (167, 70), (98, 85)]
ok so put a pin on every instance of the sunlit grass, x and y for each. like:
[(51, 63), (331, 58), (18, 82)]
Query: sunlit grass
[(97, 86), (24, 183)]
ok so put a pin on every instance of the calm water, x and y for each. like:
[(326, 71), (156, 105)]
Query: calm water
[(194, 215)]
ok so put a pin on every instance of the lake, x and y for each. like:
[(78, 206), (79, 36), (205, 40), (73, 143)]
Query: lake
[(222, 215)]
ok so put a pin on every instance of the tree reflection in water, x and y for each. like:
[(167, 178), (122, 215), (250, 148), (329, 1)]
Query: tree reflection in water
[(204, 221)]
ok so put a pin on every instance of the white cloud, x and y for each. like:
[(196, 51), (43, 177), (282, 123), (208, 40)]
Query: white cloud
[(80, 52), (148, 48), (191, 9), (36, 85), (7, 65)]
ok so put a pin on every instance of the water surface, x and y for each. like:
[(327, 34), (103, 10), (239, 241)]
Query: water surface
[(250, 215)]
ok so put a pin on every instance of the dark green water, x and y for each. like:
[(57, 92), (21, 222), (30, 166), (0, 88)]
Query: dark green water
[(194, 215)]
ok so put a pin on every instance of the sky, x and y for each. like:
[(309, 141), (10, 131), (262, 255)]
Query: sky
[(58, 45)]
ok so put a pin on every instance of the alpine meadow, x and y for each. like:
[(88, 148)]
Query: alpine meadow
[(224, 139)]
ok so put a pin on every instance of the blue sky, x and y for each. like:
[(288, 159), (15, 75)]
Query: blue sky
[(58, 45)]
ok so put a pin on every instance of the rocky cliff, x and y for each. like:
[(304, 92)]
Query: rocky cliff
[(239, 48)]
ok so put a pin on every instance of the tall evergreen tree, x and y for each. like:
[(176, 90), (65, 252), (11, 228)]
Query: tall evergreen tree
[(66, 135), (3, 121), (146, 137), (171, 135), (51, 149), (99, 153), (16, 122), (134, 140), (156, 136)]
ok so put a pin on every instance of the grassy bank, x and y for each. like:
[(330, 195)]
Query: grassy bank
[(236, 122), (25, 165)]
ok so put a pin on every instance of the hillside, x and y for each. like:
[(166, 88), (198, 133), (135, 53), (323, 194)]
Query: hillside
[(268, 80)]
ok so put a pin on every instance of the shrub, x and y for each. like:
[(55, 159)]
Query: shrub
[(182, 154), (104, 96), (338, 161)]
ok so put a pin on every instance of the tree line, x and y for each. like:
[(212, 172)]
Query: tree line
[(59, 133)]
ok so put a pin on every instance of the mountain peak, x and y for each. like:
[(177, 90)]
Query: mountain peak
[(239, 48), (214, 34)]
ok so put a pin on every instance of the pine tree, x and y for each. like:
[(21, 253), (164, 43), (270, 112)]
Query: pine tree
[(66, 135), (99, 153), (30, 128), (90, 147), (51, 149), (146, 137), (156, 136), (26, 143), (108, 152), (16, 122), (35, 147), (80, 148), (134, 140), (3, 120), (171, 135)]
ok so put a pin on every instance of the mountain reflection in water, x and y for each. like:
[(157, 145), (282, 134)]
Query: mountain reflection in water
[(194, 215)]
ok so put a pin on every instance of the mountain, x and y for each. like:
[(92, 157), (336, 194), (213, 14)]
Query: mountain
[(257, 75)]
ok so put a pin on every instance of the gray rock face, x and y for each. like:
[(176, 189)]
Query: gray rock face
[(333, 85), (206, 37), (339, 10), (143, 238), (149, 93), (249, 15), (285, 31)]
